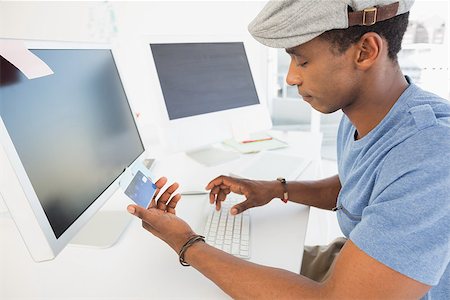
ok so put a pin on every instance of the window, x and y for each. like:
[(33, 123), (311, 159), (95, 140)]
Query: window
[(424, 55)]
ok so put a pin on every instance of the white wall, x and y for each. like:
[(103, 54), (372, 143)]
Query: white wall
[(75, 21), (124, 24), (96, 21)]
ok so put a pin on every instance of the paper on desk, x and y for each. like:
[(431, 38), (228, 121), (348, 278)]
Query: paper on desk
[(257, 146), (23, 59)]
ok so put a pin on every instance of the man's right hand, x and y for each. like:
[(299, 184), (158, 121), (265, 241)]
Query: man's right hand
[(256, 192)]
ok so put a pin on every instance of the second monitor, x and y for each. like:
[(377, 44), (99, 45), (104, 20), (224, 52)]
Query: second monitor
[(208, 94)]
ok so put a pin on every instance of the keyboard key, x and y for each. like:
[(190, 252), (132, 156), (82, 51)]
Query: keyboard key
[(227, 232)]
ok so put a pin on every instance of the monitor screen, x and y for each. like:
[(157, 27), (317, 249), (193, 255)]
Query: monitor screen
[(200, 78), (73, 131)]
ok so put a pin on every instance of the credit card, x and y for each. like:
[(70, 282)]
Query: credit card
[(141, 190)]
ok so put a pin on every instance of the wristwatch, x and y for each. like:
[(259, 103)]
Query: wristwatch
[(285, 198)]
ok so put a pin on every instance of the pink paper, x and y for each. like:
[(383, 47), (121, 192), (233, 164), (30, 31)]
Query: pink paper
[(16, 52)]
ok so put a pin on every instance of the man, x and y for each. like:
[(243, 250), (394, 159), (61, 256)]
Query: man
[(392, 194)]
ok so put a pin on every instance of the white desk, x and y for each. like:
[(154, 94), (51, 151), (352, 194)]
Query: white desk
[(140, 266)]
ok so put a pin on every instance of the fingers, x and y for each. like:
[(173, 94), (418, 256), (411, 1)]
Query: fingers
[(220, 187), (221, 180), (159, 184), (148, 216), (212, 195), (221, 196), (165, 202), (173, 203), (241, 207), (164, 199), (152, 203), (145, 215)]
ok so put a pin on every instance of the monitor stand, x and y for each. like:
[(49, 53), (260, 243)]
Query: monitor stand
[(103, 230), (211, 156)]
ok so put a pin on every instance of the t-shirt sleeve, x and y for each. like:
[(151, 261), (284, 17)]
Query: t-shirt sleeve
[(406, 225)]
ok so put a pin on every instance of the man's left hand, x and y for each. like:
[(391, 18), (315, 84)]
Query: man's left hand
[(160, 219)]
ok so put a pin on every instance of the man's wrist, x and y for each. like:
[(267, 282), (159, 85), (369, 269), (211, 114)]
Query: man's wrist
[(277, 189), (189, 252), (193, 240), (181, 240), (284, 195)]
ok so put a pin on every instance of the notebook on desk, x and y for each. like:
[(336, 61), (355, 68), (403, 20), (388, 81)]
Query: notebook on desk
[(270, 165), (256, 143)]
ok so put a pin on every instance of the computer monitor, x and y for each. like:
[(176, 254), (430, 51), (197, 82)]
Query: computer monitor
[(66, 139), (207, 93)]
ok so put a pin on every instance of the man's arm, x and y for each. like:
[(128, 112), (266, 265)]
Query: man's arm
[(319, 193), (355, 275)]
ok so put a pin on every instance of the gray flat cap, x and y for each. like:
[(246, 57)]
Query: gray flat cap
[(289, 23)]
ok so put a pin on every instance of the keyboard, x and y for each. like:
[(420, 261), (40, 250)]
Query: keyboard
[(227, 232)]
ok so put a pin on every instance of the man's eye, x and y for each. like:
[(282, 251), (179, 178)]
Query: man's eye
[(302, 64)]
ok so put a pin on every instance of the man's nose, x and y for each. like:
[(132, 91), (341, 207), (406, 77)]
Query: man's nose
[(293, 76)]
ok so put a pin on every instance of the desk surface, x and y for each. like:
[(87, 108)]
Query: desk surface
[(140, 266)]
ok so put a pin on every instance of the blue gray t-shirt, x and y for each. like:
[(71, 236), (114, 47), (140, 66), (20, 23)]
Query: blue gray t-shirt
[(395, 198)]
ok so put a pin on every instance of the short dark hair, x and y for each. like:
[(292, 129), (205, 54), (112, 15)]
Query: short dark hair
[(392, 30)]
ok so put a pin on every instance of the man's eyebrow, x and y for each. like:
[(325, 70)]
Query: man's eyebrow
[(289, 50), (292, 51)]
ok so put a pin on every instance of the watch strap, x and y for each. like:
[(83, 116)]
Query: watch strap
[(285, 197)]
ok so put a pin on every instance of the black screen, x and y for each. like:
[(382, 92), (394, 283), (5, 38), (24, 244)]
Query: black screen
[(199, 78), (74, 131)]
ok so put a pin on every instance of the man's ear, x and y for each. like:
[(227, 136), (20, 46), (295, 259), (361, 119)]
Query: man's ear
[(369, 49)]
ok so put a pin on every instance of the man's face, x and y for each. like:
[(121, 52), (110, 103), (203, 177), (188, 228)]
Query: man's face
[(327, 81)]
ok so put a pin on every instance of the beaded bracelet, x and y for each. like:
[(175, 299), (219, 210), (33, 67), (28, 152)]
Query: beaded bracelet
[(189, 243)]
